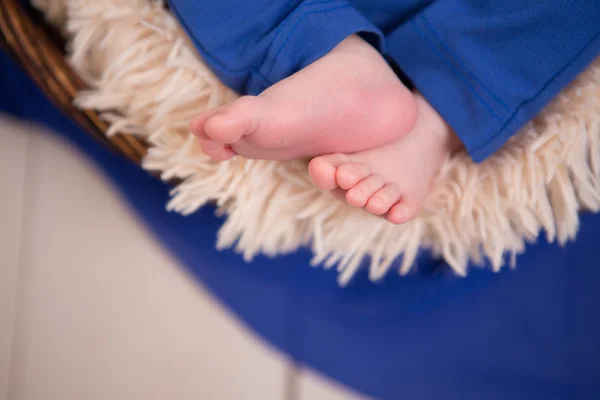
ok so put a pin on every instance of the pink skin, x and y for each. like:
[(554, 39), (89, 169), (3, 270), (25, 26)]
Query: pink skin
[(377, 146), (392, 180), (348, 100)]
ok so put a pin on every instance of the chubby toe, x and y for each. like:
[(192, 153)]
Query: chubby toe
[(197, 124), (348, 175), (216, 151), (382, 200), (322, 170), (401, 213), (234, 121), (358, 195)]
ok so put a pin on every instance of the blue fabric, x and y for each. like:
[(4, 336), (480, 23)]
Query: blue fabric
[(490, 66), (251, 53), (487, 66), (528, 334)]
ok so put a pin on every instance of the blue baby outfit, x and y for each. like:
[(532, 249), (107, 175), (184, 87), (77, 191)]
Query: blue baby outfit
[(487, 66)]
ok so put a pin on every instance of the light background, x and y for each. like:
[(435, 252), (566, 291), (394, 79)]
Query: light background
[(79, 320)]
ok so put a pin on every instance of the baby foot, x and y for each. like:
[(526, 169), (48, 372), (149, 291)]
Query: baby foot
[(392, 180), (348, 100)]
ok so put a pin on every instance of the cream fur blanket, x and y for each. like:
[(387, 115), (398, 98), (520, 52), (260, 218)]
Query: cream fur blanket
[(148, 80)]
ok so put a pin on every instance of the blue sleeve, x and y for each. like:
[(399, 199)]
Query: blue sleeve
[(251, 44), (488, 67)]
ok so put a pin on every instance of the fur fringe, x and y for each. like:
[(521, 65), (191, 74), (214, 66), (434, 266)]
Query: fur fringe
[(148, 80), (54, 10)]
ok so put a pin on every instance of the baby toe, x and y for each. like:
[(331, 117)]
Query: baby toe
[(322, 170), (197, 123), (383, 199), (402, 212), (235, 121), (358, 195), (348, 175), (216, 151)]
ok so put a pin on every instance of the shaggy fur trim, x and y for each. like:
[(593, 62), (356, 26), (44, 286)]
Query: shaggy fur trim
[(149, 81), (54, 10)]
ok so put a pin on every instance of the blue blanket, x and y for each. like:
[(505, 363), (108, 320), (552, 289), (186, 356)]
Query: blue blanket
[(530, 333)]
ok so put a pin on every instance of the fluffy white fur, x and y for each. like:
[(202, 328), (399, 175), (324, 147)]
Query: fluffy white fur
[(148, 80)]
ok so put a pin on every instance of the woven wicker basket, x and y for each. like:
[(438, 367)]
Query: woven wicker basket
[(39, 49)]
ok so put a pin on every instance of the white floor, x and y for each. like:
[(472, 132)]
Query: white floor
[(80, 319)]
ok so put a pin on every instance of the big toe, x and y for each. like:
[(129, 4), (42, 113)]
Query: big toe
[(237, 120), (322, 170)]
